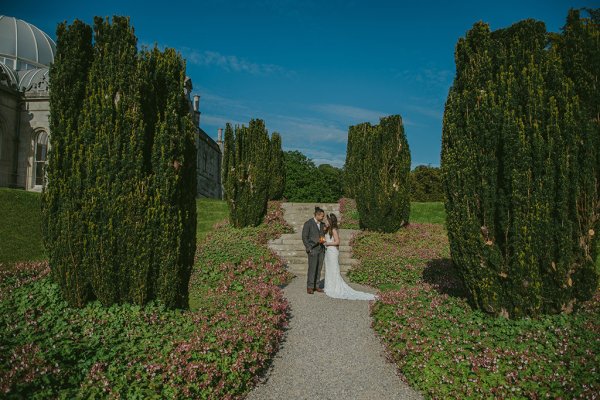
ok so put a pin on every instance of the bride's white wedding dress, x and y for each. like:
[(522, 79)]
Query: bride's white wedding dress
[(334, 283)]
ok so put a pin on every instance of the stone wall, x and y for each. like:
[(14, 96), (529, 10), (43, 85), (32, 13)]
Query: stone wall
[(208, 167), (8, 133)]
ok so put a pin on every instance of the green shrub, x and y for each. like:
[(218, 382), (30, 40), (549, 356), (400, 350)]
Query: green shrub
[(518, 159), (426, 184), (246, 173), (119, 208), (378, 164), (305, 182)]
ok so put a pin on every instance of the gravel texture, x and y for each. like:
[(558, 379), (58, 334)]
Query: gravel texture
[(330, 352)]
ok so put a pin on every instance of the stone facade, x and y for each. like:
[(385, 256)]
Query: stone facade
[(208, 167), (24, 132)]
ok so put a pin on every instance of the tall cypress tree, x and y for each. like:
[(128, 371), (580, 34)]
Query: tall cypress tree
[(515, 147), (380, 165), (112, 125), (173, 161), (62, 198), (276, 168), (247, 176), (124, 193)]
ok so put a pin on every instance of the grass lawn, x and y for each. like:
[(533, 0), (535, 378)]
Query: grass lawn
[(420, 213), (432, 213), (210, 211), (20, 221)]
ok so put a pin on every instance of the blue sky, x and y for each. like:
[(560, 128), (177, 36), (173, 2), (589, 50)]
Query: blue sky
[(312, 68)]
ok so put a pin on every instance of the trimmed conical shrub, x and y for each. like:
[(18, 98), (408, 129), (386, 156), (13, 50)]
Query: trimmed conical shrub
[(276, 168), (246, 174), (517, 152), (121, 171), (378, 168)]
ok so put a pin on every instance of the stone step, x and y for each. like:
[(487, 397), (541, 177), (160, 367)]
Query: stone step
[(290, 247), (299, 244), (288, 205), (303, 260), (306, 214), (286, 253), (282, 248), (343, 233)]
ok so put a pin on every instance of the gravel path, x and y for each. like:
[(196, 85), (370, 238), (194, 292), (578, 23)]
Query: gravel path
[(330, 352)]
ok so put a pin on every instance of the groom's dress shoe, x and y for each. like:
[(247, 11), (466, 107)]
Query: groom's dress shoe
[(309, 291), (319, 290)]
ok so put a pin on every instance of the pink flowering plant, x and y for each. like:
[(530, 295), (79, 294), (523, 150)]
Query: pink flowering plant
[(446, 350), (217, 349)]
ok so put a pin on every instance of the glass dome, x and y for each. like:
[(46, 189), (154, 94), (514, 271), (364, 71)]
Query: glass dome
[(23, 46)]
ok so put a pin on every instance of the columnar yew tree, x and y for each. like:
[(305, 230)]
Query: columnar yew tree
[(276, 168), (170, 139), (62, 203), (121, 175), (246, 174), (378, 165), (518, 157)]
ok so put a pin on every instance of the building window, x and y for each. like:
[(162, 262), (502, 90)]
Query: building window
[(41, 153)]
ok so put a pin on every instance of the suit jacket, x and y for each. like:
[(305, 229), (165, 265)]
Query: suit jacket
[(311, 235)]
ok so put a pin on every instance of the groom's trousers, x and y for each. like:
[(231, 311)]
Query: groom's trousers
[(315, 264)]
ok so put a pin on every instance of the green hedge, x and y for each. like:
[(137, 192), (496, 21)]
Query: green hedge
[(119, 208), (519, 157), (378, 167), (246, 173)]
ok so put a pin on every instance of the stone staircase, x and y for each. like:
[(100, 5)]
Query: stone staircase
[(289, 246)]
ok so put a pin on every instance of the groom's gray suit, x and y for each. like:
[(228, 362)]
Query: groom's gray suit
[(311, 233)]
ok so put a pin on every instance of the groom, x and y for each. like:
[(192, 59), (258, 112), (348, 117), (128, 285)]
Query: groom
[(312, 232)]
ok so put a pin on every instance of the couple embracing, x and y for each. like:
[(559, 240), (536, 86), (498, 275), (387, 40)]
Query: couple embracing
[(321, 239)]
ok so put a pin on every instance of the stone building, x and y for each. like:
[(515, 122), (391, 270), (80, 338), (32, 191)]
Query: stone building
[(25, 138)]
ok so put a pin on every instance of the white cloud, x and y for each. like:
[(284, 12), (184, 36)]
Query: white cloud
[(428, 111), (350, 112), (232, 63), (319, 156), (307, 130), (218, 120)]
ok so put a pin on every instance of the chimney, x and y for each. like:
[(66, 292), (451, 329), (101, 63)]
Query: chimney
[(220, 140), (196, 106)]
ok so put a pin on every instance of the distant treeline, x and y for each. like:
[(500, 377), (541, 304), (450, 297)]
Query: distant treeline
[(306, 182)]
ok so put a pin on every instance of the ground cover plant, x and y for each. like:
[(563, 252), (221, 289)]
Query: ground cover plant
[(445, 349), (214, 350)]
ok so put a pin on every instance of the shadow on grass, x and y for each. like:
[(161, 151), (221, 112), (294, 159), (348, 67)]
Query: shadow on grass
[(441, 274)]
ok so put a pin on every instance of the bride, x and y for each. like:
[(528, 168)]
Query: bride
[(334, 283)]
